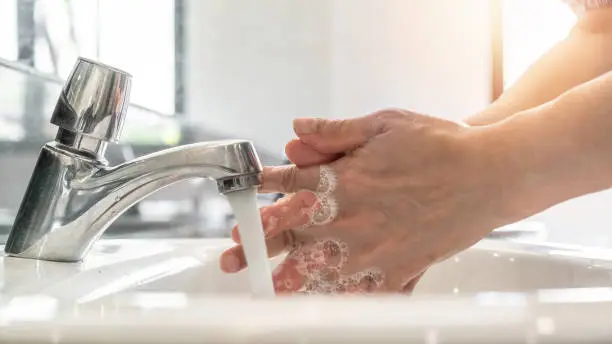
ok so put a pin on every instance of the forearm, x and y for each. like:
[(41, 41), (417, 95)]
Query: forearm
[(585, 54), (555, 152)]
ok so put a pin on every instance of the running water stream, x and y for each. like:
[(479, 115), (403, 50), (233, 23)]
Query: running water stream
[(246, 211)]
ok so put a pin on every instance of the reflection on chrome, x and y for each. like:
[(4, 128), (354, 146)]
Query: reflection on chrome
[(146, 275)]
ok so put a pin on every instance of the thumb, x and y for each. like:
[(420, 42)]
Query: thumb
[(332, 136), (289, 179), (303, 155)]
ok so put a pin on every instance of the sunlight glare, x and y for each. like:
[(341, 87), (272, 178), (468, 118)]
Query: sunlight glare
[(530, 28)]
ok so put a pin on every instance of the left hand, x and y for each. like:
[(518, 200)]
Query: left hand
[(409, 188)]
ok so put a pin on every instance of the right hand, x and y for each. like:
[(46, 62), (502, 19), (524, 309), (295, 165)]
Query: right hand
[(434, 181)]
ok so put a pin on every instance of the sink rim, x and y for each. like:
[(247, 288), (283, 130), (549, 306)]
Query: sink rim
[(209, 319), (227, 318)]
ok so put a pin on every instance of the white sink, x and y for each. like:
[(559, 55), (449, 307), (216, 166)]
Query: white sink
[(172, 291), (120, 266)]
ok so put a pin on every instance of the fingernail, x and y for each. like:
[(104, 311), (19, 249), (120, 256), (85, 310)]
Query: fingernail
[(305, 126), (230, 263)]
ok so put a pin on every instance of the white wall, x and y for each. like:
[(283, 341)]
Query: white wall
[(254, 66), (429, 56)]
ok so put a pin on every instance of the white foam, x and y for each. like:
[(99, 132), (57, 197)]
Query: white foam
[(326, 207), (322, 263), (328, 181)]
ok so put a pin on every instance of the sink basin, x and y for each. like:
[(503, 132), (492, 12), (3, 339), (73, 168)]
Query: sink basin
[(126, 265), (172, 291)]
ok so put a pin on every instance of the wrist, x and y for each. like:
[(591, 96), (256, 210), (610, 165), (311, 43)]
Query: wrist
[(497, 170), (525, 168), (545, 156)]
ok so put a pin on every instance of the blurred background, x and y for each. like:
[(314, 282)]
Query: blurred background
[(211, 69)]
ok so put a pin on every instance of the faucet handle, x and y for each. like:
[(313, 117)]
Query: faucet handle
[(94, 101)]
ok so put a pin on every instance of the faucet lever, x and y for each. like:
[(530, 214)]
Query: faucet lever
[(91, 108)]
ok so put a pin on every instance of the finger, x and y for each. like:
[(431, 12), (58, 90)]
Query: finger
[(235, 235), (286, 277), (331, 136), (409, 287), (289, 179), (303, 155), (365, 282), (289, 212), (234, 259)]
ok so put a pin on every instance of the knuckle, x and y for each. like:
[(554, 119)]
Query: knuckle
[(391, 114), (385, 120), (319, 124), (289, 178), (305, 200), (342, 125), (336, 127)]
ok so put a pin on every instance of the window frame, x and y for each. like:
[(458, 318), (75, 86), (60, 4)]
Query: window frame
[(497, 49), (26, 45)]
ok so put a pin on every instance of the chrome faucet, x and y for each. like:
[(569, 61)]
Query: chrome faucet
[(74, 195)]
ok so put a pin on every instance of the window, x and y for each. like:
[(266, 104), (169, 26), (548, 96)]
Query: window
[(529, 29), (8, 29), (138, 36)]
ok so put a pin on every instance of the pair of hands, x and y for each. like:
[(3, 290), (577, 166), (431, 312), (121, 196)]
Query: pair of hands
[(401, 191)]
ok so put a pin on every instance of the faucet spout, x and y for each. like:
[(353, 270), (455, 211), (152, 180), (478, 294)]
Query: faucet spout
[(232, 163), (74, 195), (71, 199)]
